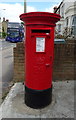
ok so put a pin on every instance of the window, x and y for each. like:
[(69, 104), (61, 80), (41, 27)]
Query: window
[(74, 25), (67, 21), (59, 28), (62, 12)]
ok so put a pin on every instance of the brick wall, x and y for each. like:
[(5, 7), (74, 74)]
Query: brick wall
[(19, 62), (64, 59), (64, 62)]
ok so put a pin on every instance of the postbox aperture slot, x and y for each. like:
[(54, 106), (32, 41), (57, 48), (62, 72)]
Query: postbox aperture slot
[(40, 44), (41, 31)]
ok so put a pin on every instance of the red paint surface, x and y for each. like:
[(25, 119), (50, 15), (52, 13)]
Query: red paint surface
[(39, 65)]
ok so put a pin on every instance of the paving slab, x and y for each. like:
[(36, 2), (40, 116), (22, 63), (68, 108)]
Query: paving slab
[(62, 105), (0, 93)]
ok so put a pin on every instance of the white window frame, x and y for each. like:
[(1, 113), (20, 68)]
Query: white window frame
[(73, 25)]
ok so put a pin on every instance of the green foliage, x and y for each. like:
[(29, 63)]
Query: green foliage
[(0, 34), (4, 34), (59, 36), (22, 23)]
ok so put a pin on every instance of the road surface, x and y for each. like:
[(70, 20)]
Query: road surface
[(6, 64)]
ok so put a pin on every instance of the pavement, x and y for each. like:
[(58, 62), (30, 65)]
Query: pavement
[(62, 105), (6, 65), (4, 44)]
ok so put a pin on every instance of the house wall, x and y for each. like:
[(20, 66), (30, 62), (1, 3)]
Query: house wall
[(4, 26), (67, 9)]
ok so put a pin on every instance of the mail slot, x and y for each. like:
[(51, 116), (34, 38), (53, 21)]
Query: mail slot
[(39, 57)]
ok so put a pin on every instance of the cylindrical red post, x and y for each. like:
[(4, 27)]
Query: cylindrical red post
[(39, 48)]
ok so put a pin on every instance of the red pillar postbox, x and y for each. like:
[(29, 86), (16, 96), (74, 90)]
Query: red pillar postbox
[(39, 48)]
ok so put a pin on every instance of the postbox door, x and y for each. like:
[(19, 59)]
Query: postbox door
[(42, 62)]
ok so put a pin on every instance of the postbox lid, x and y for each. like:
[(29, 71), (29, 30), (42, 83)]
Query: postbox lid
[(40, 18)]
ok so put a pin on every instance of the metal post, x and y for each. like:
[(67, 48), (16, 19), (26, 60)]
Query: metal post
[(24, 6)]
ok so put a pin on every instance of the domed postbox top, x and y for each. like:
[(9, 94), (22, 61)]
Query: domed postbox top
[(34, 18)]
